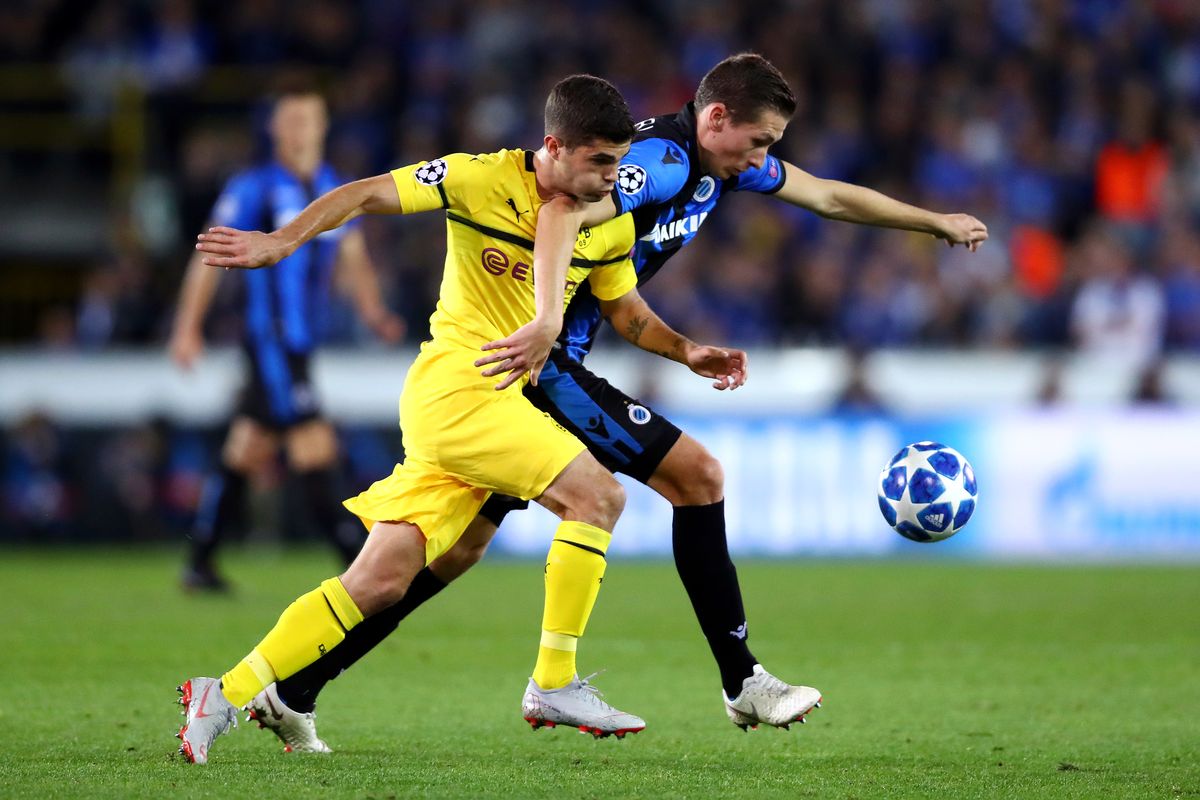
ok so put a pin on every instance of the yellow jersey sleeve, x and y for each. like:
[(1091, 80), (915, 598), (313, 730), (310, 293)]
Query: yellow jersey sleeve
[(610, 244), (455, 181)]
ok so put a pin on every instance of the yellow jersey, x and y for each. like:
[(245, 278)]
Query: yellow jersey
[(491, 204)]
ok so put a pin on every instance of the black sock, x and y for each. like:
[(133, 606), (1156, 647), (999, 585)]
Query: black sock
[(222, 505), (708, 575), (320, 487), (300, 690)]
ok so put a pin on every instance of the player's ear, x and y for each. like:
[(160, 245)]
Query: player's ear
[(553, 146), (718, 116)]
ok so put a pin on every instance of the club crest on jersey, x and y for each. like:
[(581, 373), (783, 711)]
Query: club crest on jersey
[(639, 415), (705, 189), (585, 238), (631, 178), (431, 173)]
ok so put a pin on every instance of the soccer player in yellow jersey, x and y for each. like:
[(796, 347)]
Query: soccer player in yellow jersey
[(465, 433)]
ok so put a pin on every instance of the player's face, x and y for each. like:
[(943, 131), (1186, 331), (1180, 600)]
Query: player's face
[(589, 171), (730, 148), (298, 127)]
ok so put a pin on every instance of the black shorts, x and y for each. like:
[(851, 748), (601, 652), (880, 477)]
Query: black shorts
[(624, 434), (278, 392)]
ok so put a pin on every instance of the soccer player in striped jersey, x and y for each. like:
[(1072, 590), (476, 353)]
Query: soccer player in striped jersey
[(467, 435), (282, 321)]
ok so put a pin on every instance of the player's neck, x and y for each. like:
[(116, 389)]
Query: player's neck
[(302, 168), (543, 176)]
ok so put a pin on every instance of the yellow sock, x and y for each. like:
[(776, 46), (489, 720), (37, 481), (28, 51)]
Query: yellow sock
[(308, 629), (574, 570)]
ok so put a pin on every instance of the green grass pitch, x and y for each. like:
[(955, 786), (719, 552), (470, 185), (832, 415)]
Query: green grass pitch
[(941, 679)]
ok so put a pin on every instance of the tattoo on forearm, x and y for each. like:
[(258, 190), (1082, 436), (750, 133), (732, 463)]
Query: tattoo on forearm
[(635, 327)]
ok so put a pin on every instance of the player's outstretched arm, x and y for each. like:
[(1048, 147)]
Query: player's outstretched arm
[(852, 203), (633, 318), (358, 279), (230, 247), (187, 333)]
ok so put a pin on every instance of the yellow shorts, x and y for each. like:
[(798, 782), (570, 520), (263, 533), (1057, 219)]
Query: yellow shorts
[(463, 440)]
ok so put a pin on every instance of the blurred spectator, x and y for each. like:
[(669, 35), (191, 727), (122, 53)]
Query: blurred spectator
[(1131, 168), (1149, 389), (173, 52), (856, 395), (36, 498), (100, 61), (1179, 268), (1118, 311)]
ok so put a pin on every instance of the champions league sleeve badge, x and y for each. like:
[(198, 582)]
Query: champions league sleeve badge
[(631, 178), (431, 173)]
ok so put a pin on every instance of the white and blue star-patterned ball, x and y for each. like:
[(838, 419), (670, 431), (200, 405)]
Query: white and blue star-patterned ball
[(927, 492)]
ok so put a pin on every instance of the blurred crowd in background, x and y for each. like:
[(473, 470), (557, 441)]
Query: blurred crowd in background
[(1070, 127)]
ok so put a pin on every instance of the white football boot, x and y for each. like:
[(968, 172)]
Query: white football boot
[(766, 699), (578, 705), (207, 714), (297, 731)]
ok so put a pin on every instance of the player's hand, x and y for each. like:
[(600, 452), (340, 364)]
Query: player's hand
[(389, 327), (728, 366), (526, 350), (185, 347), (229, 247), (962, 229)]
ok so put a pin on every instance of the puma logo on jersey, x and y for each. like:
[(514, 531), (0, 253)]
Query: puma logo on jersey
[(513, 205), (675, 229)]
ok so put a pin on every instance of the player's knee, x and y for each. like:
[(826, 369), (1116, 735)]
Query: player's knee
[(704, 484), (460, 558), (608, 503)]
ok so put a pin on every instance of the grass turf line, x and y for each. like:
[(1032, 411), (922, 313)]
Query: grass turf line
[(940, 679)]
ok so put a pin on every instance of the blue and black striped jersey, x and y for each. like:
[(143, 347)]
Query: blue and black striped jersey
[(661, 183), (284, 305)]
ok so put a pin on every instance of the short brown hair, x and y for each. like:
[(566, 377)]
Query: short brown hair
[(748, 85), (584, 108)]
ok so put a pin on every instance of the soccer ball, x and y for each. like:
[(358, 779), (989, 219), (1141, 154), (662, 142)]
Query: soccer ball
[(927, 492)]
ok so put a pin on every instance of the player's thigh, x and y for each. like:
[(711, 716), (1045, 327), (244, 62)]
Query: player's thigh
[(250, 445), (384, 568), (467, 551), (586, 491), (622, 433), (441, 506), (311, 445), (689, 475)]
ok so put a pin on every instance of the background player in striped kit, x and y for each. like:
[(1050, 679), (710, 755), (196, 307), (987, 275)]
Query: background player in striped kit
[(282, 321)]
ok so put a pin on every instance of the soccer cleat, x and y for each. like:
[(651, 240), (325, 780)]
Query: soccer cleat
[(577, 704), (207, 715), (297, 731), (766, 699), (203, 579)]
